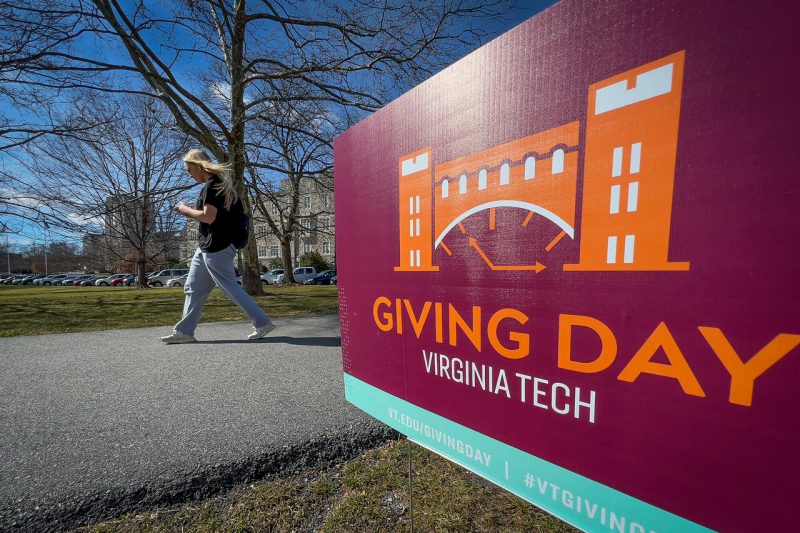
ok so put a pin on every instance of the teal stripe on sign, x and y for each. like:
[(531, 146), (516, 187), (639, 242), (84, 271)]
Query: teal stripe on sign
[(580, 501)]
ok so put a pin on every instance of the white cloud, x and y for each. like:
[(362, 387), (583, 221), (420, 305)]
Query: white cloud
[(83, 220), (221, 90), (18, 198)]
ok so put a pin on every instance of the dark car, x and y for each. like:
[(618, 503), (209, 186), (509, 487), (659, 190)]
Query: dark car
[(30, 279), (89, 282), (327, 277), (66, 280), (20, 281), (76, 282)]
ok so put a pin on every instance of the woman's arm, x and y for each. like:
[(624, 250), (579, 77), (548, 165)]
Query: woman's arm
[(206, 216)]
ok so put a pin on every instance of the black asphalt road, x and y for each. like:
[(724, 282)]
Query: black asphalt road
[(93, 425)]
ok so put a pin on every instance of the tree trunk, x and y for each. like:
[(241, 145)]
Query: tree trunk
[(286, 252), (141, 271), (251, 269)]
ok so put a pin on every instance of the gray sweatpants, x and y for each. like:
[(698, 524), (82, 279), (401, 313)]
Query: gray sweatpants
[(207, 270)]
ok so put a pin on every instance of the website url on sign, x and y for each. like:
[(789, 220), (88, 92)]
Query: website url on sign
[(469, 452)]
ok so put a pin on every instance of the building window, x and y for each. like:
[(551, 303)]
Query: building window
[(262, 251), (306, 247), (274, 209), (307, 201), (558, 161), (505, 174), (273, 251), (326, 247), (530, 168)]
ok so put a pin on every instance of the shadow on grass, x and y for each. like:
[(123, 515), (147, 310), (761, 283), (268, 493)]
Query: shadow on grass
[(297, 341)]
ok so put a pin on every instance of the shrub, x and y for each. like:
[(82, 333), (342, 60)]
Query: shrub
[(314, 259)]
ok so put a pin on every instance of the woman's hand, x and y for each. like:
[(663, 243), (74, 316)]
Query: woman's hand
[(179, 208)]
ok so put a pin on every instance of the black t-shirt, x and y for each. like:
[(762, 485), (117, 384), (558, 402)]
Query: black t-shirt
[(217, 235)]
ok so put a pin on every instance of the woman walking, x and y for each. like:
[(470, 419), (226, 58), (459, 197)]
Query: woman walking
[(212, 263)]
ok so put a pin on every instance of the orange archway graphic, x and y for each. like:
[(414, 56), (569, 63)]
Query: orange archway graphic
[(629, 167)]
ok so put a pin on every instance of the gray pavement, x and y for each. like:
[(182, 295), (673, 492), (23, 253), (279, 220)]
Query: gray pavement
[(93, 425)]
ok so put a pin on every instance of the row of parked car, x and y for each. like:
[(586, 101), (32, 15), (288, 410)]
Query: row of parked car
[(156, 279), (55, 279), (305, 275), (173, 277)]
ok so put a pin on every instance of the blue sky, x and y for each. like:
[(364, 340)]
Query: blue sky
[(31, 233), (525, 9)]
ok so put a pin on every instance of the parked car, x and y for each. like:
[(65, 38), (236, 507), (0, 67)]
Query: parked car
[(301, 274), (76, 282), (51, 280), (159, 279), (66, 280), (30, 279), (90, 281), (105, 282), (12, 279), (130, 282), (180, 281), (270, 277), (121, 282), (323, 278)]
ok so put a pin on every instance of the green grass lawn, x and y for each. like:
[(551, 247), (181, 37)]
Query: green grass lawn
[(369, 493), (39, 310)]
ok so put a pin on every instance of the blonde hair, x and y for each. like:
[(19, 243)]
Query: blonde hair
[(222, 171)]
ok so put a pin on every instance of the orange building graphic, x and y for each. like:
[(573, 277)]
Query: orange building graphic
[(416, 213), (629, 169)]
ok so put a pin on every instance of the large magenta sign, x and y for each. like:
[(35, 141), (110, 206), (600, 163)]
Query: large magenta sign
[(569, 263)]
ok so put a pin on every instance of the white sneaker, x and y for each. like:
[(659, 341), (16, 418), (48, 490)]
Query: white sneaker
[(263, 331), (178, 338)]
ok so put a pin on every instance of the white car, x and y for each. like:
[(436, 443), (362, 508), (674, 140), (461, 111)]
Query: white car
[(302, 274), (271, 277), (159, 279), (178, 282)]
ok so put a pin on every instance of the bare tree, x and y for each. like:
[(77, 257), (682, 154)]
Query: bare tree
[(121, 176), (295, 137), (349, 56), (338, 50), (36, 45)]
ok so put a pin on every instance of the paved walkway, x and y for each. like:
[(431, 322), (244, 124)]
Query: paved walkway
[(96, 424)]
